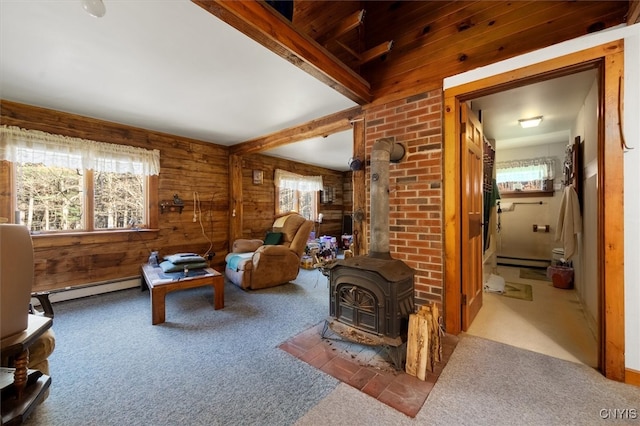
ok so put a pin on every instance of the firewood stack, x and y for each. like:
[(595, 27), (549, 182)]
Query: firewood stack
[(424, 348)]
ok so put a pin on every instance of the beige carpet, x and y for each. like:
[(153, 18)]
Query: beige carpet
[(553, 323)]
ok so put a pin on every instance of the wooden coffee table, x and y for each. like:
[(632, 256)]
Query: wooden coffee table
[(160, 284)]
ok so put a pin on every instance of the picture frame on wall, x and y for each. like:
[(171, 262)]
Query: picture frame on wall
[(258, 177)]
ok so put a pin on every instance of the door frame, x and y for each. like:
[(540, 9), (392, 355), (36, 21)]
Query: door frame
[(609, 59)]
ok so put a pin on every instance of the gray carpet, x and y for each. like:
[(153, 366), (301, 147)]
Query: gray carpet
[(489, 383), (112, 367)]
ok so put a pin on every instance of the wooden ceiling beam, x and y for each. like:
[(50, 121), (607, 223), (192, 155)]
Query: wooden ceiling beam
[(320, 127), (633, 17), (376, 52), (257, 20), (342, 27), (349, 50)]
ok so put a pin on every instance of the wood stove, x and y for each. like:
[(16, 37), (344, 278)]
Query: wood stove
[(371, 297)]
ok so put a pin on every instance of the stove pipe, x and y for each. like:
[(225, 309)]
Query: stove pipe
[(384, 151)]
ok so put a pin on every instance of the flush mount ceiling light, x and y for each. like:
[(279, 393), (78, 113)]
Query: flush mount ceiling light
[(525, 123), (94, 8)]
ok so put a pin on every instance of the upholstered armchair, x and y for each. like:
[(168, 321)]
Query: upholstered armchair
[(254, 264), (16, 281)]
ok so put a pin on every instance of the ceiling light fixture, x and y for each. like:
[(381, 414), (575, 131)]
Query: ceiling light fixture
[(94, 8), (526, 123)]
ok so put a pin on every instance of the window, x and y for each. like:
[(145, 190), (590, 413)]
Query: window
[(526, 175), (70, 184), (297, 193)]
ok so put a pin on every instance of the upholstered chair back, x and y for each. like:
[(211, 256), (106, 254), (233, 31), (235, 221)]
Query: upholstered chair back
[(16, 278)]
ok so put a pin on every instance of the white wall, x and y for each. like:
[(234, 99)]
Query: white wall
[(516, 237), (585, 265), (631, 36)]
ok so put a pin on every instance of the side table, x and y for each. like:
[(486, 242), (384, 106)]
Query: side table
[(160, 284), (27, 390)]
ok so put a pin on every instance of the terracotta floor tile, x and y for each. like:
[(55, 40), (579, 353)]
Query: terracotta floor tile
[(377, 384), (321, 359), (339, 368), (368, 369), (292, 349), (347, 364), (315, 351), (361, 378)]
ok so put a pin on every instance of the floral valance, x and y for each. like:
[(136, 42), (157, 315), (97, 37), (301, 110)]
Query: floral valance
[(525, 170), (33, 146)]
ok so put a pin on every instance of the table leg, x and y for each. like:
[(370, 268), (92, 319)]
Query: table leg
[(218, 292), (158, 305), (20, 374)]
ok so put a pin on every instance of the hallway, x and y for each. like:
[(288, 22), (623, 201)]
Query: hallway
[(553, 323)]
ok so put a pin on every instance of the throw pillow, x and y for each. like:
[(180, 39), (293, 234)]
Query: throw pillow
[(272, 238), (185, 258), (168, 266)]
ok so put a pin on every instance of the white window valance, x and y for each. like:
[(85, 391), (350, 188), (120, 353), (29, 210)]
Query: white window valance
[(287, 180), (525, 170), (33, 146)]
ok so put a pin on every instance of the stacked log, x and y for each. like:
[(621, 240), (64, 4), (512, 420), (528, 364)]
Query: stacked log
[(424, 347)]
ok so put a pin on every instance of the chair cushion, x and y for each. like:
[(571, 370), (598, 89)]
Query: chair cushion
[(291, 226), (272, 238)]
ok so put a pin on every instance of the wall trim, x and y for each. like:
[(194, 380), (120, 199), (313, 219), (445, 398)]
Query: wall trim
[(609, 57), (632, 377)]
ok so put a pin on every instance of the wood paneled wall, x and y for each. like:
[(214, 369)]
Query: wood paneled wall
[(259, 200), (187, 166)]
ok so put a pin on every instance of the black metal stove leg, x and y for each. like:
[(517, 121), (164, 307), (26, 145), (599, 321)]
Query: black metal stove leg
[(324, 328), (397, 355)]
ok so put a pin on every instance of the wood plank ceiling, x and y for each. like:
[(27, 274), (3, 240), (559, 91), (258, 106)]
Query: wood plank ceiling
[(377, 51), (436, 39), (429, 40)]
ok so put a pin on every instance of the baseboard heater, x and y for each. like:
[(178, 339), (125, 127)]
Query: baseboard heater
[(523, 261), (93, 289)]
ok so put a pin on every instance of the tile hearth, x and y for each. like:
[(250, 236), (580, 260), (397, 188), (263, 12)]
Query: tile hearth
[(367, 368)]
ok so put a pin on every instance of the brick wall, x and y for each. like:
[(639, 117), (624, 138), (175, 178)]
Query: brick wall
[(415, 198)]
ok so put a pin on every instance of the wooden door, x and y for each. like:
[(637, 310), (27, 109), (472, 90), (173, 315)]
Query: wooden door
[(471, 215)]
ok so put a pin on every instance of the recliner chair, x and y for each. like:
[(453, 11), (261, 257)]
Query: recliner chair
[(255, 264)]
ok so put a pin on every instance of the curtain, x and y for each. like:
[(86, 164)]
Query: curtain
[(525, 170), (287, 180), (33, 146)]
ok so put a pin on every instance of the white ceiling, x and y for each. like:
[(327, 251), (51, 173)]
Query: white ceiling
[(559, 101), (172, 67), (168, 66)]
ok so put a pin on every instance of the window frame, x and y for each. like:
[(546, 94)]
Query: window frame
[(8, 203), (546, 184), (296, 207)]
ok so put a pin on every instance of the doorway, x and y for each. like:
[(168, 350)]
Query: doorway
[(610, 274), (532, 313)]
